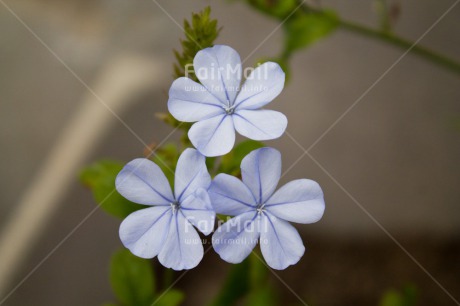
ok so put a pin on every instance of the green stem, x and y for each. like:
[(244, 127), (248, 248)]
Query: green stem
[(402, 43), (392, 39)]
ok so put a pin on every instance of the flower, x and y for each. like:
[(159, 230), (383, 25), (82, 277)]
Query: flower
[(165, 230), (262, 213), (221, 107)]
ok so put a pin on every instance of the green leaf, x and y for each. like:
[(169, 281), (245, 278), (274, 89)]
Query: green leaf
[(171, 297), (280, 9), (100, 178), (132, 279), (231, 162), (235, 287), (304, 29), (405, 297)]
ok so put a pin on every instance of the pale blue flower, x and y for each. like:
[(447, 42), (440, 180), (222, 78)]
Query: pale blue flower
[(219, 104), (165, 229), (263, 213)]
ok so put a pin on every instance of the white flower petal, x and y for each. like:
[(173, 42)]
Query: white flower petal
[(236, 238), (142, 181), (280, 242), (214, 136), (191, 173), (230, 196), (219, 69), (190, 101), (260, 124), (298, 201), (144, 231), (183, 248), (262, 86), (198, 210), (261, 171)]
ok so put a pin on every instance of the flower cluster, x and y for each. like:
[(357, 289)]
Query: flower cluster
[(219, 106)]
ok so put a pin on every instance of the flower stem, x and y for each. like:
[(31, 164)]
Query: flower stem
[(402, 43), (390, 38)]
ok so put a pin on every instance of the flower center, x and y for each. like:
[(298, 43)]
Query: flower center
[(260, 208), (174, 206), (229, 110)]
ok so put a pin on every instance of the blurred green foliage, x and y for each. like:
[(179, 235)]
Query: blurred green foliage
[(280, 9), (171, 297), (100, 178), (132, 279), (407, 296), (247, 284), (235, 286), (262, 292), (262, 296), (133, 282)]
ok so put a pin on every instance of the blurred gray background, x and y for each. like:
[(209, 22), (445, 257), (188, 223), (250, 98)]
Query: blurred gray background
[(396, 152)]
